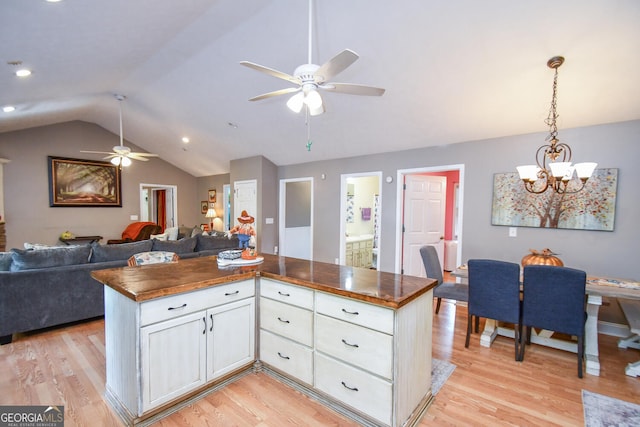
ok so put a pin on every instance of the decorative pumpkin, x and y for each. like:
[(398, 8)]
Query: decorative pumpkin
[(544, 257)]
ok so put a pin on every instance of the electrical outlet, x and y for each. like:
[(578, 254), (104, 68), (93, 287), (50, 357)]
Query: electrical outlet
[(513, 231), (275, 250)]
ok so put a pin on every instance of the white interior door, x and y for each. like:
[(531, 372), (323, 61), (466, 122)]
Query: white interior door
[(423, 220), (245, 198), (296, 218)]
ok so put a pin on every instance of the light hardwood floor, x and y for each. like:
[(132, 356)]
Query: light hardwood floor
[(66, 366)]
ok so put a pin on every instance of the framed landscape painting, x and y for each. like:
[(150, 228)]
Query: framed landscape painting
[(592, 208), (83, 183)]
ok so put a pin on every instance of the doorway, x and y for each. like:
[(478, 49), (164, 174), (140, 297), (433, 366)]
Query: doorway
[(408, 260), (159, 204), (360, 219), (296, 218)]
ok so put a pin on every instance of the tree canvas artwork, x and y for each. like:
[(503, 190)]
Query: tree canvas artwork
[(593, 208), (77, 182)]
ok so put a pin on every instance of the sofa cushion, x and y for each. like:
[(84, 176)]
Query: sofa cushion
[(5, 260), (181, 246), (123, 251), (53, 257), (211, 242), (172, 233)]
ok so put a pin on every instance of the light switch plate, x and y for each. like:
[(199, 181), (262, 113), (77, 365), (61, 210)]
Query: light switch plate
[(513, 231), (133, 217)]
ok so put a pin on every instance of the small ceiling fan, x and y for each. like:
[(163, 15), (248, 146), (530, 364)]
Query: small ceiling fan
[(310, 77), (122, 155)]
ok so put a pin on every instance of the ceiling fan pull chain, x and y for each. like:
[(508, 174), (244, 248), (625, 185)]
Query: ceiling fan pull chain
[(308, 123)]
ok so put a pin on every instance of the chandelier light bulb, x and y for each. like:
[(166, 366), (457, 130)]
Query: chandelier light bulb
[(313, 99), (126, 161), (115, 160)]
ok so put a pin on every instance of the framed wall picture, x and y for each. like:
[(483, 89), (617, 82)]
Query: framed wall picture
[(83, 183), (592, 208), (212, 196), (204, 206)]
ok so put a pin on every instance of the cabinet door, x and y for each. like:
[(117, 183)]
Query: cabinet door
[(173, 358), (231, 340)]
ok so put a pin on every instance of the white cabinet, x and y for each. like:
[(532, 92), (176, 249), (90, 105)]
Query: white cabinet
[(173, 358), (359, 253), (179, 342), (286, 328), (373, 360)]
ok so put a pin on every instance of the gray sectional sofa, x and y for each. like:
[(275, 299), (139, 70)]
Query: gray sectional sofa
[(52, 286)]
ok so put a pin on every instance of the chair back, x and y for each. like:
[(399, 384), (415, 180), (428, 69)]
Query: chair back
[(153, 257), (494, 290), (554, 298), (431, 263)]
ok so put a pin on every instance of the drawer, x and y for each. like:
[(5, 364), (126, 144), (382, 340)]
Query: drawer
[(354, 387), (284, 292), (287, 356), (286, 320), (368, 349), (360, 313), (160, 309)]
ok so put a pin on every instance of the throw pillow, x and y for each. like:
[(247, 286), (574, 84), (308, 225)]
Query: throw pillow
[(163, 236), (5, 261), (179, 247), (122, 251), (172, 233), (195, 231), (52, 257)]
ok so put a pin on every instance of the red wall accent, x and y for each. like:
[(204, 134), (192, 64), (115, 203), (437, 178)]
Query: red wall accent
[(453, 177)]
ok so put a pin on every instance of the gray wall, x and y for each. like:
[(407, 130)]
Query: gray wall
[(26, 197), (598, 252), (298, 204), (212, 182)]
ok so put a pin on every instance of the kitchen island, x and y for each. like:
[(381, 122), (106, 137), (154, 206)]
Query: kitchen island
[(358, 340)]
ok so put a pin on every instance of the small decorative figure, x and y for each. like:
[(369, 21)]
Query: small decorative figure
[(244, 230)]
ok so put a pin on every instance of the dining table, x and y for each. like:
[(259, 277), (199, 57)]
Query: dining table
[(596, 288)]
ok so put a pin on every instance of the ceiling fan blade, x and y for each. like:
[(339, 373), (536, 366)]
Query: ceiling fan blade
[(96, 152), (335, 65), (143, 154), (353, 89), (275, 93), (135, 156), (271, 72)]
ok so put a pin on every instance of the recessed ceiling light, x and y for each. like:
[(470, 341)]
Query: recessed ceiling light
[(185, 139), (53, 1), (23, 72), (8, 108)]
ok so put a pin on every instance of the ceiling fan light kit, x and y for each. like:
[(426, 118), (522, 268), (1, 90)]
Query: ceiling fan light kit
[(310, 78), (121, 155)]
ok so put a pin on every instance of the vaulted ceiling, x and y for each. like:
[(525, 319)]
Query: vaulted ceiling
[(454, 71)]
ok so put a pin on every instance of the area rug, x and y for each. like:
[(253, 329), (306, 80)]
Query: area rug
[(605, 411), (440, 372)]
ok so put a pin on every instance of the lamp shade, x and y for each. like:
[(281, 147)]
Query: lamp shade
[(295, 102), (528, 172), (559, 169), (211, 213), (313, 99), (585, 170)]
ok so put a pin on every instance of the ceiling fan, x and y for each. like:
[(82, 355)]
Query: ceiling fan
[(310, 77), (122, 155)]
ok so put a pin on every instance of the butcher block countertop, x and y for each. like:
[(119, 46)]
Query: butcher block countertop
[(147, 282)]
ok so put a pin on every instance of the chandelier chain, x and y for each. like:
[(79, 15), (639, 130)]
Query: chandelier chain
[(553, 112)]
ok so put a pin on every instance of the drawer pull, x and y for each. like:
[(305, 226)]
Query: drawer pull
[(284, 357), (283, 321), (204, 331), (211, 328), (350, 312), (226, 294), (283, 294), (350, 388), (350, 345), (177, 308)]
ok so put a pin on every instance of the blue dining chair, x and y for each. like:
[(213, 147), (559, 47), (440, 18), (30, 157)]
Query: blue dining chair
[(494, 293), (554, 299), (447, 290)]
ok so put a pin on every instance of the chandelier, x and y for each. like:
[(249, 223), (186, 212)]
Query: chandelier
[(554, 169)]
